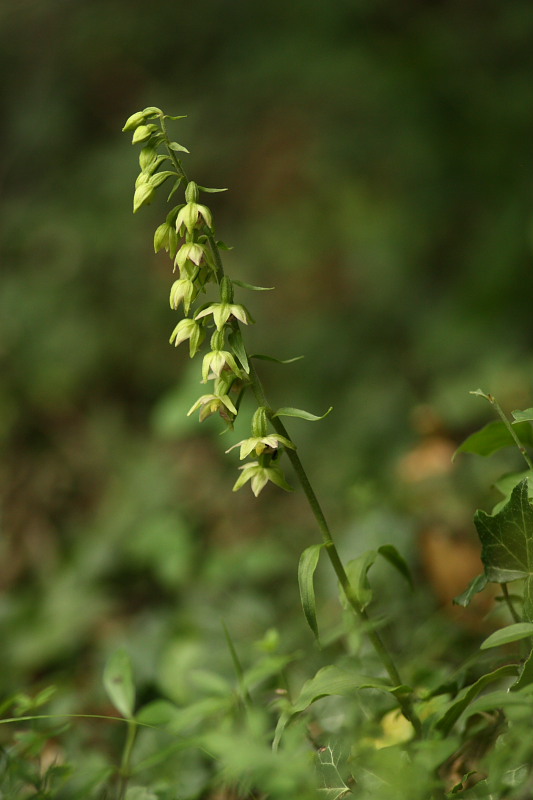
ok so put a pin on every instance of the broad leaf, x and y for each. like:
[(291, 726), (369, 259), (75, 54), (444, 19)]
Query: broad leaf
[(523, 416), (297, 412), (118, 683), (391, 554), (468, 694), (494, 437), (306, 571), (507, 543), (512, 633), (474, 587)]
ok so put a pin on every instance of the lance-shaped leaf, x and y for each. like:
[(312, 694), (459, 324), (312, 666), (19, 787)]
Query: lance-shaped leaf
[(306, 572), (297, 412), (511, 633), (244, 285), (357, 570), (526, 675), (507, 543), (475, 586), (262, 357), (495, 436), (391, 554)]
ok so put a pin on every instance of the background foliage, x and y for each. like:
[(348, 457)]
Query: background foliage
[(379, 162)]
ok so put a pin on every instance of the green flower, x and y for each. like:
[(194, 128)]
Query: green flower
[(189, 215), (223, 311), (190, 251), (191, 330), (217, 360), (211, 403), (259, 477), (260, 444), (183, 290)]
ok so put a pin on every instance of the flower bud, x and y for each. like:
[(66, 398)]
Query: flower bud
[(161, 237), (192, 193), (134, 121), (226, 290), (259, 422)]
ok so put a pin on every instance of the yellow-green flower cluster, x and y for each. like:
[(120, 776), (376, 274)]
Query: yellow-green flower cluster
[(188, 236)]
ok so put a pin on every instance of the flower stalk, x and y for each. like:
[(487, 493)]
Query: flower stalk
[(229, 366)]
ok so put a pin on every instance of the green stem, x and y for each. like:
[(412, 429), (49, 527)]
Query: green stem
[(333, 555), (511, 430), (510, 606), (125, 764), (331, 549)]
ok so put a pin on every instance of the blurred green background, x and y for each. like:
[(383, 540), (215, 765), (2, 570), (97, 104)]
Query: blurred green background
[(379, 164)]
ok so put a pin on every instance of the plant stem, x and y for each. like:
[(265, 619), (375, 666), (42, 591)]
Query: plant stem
[(125, 765), (331, 549), (511, 430), (510, 606)]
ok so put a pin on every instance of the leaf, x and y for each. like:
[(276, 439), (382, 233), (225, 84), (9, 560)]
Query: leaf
[(178, 148), (512, 633), (333, 680), (210, 191), (507, 543), (237, 345), (526, 675), (118, 682), (391, 554), (469, 693), (297, 412), (158, 712), (174, 190), (277, 360), (474, 587), (494, 437), (523, 416), (306, 571), (244, 285), (357, 570)]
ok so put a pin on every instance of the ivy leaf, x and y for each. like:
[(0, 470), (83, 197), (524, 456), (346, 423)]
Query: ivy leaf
[(507, 543), (297, 412), (306, 572), (494, 437), (118, 683)]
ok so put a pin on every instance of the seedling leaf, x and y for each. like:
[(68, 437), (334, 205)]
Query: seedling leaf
[(118, 682), (306, 572)]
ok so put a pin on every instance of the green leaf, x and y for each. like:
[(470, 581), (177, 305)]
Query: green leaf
[(306, 571), (244, 285), (210, 191), (297, 412), (526, 675), (237, 345), (475, 586), (118, 682), (468, 694), (276, 360), (175, 189), (181, 116), (512, 633), (333, 680), (391, 554), (494, 437), (357, 570), (178, 148), (507, 543), (523, 416)]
